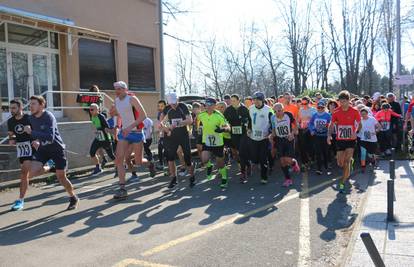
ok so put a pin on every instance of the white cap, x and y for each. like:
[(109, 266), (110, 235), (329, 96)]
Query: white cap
[(120, 84), (376, 95), (390, 95), (172, 98)]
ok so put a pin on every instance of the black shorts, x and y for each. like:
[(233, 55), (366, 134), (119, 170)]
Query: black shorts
[(285, 148), (235, 141), (23, 159), (57, 154), (342, 145), (199, 139), (171, 144), (217, 151), (371, 147)]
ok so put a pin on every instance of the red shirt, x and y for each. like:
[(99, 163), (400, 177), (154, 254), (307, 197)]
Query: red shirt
[(410, 107), (346, 123), (384, 118)]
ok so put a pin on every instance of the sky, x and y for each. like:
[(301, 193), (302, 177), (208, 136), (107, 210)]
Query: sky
[(223, 19)]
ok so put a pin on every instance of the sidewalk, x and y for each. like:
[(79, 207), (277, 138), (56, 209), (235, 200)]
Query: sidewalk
[(394, 241)]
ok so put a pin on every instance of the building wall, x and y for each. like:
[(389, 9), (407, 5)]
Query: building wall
[(133, 21)]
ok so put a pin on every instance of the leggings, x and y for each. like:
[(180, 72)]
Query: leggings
[(107, 145), (161, 155), (321, 151), (147, 149), (305, 145)]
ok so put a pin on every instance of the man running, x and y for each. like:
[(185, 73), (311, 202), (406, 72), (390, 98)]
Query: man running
[(174, 121), (347, 121), (214, 125), (22, 141), (284, 130), (238, 117), (132, 114), (260, 128), (48, 145), (102, 138)]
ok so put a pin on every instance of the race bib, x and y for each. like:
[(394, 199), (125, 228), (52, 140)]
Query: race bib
[(344, 132), (24, 149), (176, 122), (320, 125), (100, 136), (236, 130), (385, 125), (212, 140), (367, 135), (257, 134), (282, 130)]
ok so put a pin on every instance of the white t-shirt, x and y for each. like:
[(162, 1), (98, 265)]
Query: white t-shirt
[(148, 124), (368, 132), (261, 124)]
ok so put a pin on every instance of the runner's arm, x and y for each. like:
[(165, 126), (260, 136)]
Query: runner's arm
[(142, 114)]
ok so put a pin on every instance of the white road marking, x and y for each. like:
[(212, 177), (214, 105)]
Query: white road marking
[(142, 263), (304, 226)]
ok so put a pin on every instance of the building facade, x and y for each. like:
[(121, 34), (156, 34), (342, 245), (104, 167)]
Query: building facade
[(67, 46)]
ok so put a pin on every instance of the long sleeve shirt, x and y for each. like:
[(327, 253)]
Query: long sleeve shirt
[(45, 130), (319, 123)]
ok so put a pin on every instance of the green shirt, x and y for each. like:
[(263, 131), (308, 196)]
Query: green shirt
[(100, 124), (210, 123)]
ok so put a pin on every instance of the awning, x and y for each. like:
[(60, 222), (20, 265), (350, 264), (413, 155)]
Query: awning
[(59, 25)]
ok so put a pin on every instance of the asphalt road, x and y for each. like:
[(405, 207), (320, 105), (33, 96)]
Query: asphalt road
[(246, 225)]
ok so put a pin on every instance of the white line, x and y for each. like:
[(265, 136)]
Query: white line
[(304, 226)]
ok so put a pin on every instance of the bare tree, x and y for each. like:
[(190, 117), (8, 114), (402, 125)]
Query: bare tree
[(388, 37), (185, 67)]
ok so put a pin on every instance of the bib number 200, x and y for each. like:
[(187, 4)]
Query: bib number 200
[(345, 132)]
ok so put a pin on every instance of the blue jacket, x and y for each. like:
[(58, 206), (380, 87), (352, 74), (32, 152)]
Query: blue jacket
[(319, 123)]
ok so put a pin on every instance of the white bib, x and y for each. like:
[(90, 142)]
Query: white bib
[(344, 132), (24, 149), (236, 130), (212, 139), (100, 136)]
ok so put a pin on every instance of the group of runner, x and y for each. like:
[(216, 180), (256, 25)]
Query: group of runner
[(297, 132)]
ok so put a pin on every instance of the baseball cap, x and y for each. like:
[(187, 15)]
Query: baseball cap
[(226, 97), (120, 84), (390, 95), (321, 103), (210, 101), (172, 98), (259, 95)]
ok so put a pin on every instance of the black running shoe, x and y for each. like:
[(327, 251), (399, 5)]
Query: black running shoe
[(121, 194), (73, 203), (151, 168), (173, 183), (192, 181)]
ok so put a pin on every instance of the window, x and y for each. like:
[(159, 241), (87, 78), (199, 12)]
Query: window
[(141, 68), (2, 33), (56, 80), (27, 36), (54, 40), (96, 64)]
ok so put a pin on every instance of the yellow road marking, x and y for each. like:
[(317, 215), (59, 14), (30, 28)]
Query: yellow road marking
[(142, 263), (219, 225)]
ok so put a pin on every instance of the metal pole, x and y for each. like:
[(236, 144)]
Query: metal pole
[(372, 250), (398, 37), (161, 40), (390, 200), (392, 169)]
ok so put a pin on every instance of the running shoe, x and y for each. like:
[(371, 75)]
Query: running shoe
[(341, 188), (96, 171), (133, 177), (328, 172), (288, 182), (319, 172), (121, 194), (73, 203), (224, 183), (173, 183), (243, 178), (296, 167), (192, 181), (209, 173), (182, 172), (103, 163), (151, 168), (18, 205), (263, 180)]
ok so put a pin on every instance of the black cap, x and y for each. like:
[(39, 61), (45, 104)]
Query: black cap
[(210, 101)]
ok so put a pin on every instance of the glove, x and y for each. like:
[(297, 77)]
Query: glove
[(219, 130)]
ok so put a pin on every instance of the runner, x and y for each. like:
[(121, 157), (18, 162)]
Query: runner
[(132, 114), (174, 121), (238, 117), (305, 141), (198, 127), (221, 107), (214, 125), (347, 121), (22, 141), (161, 150), (384, 117), (284, 130), (368, 137), (48, 145), (318, 127), (260, 127), (102, 138)]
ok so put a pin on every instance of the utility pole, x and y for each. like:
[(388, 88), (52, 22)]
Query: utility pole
[(161, 40), (398, 35)]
